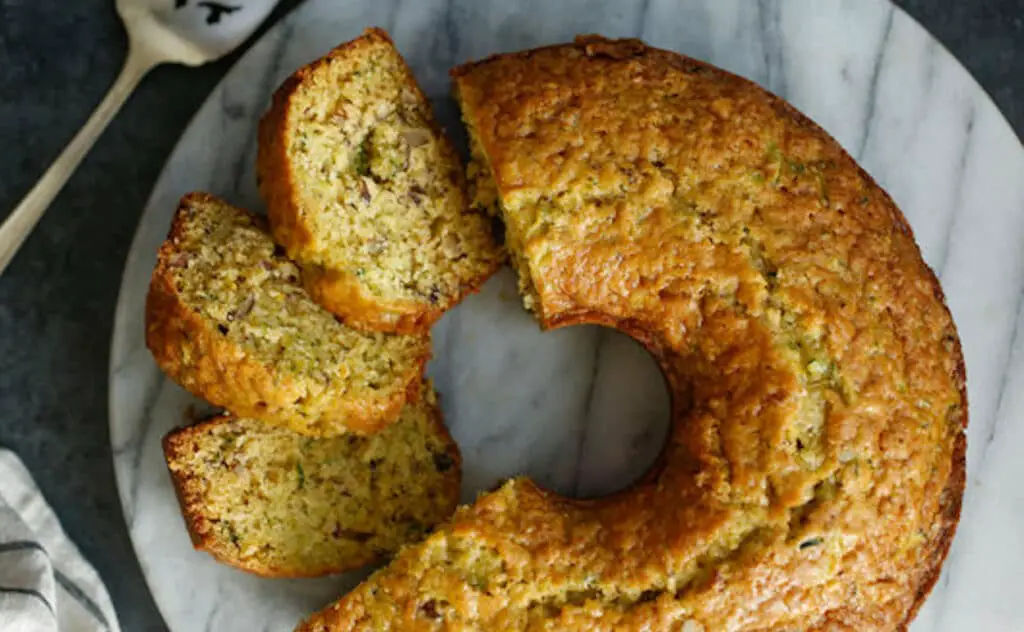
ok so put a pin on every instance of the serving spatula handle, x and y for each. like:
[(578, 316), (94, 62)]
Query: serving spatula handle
[(20, 223)]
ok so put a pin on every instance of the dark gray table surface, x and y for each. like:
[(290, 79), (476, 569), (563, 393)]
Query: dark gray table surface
[(57, 59)]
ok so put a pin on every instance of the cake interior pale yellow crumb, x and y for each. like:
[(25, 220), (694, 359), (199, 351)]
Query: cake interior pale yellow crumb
[(380, 189), (283, 503), (228, 269)]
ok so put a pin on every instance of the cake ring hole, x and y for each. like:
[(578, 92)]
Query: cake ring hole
[(625, 419), (583, 410)]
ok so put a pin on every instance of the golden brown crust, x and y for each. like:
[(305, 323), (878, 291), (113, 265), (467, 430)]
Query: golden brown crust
[(174, 445), (192, 498), (342, 294), (339, 291), (190, 350), (815, 472), (275, 180), (952, 495), (189, 495)]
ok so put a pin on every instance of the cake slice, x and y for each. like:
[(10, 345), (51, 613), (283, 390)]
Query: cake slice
[(279, 504), (228, 319), (366, 193)]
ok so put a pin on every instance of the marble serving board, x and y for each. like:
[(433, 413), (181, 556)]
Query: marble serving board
[(584, 410)]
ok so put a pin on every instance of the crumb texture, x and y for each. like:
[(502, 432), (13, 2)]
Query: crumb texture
[(365, 191), (228, 318), (277, 503), (814, 474)]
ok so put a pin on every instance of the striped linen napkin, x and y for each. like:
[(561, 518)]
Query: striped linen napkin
[(45, 583)]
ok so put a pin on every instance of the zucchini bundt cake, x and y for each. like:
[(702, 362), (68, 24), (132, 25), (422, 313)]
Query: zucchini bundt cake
[(814, 475), (366, 193), (228, 319), (276, 503)]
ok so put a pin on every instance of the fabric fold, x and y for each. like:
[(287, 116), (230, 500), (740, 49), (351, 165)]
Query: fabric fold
[(45, 583)]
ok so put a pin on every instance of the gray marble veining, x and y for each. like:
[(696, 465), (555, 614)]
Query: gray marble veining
[(583, 410)]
